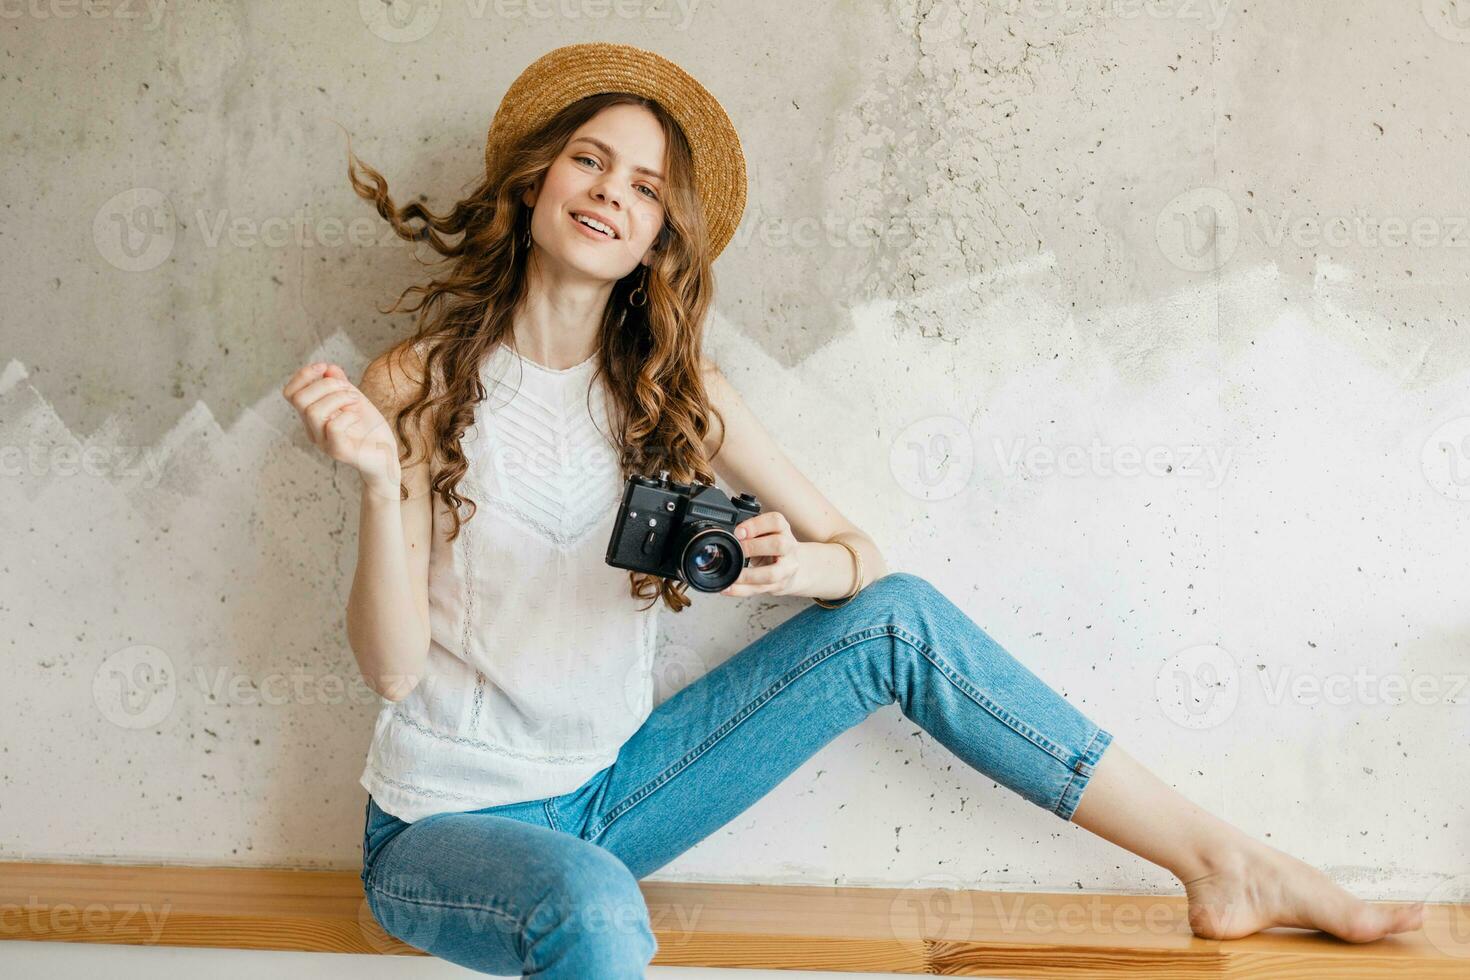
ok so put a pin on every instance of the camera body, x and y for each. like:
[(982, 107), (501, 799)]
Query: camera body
[(681, 531)]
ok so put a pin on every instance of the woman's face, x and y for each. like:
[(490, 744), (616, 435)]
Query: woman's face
[(611, 172)]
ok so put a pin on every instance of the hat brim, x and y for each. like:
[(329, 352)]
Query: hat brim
[(575, 71)]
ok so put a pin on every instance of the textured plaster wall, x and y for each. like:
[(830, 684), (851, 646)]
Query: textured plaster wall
[(1137, 328)]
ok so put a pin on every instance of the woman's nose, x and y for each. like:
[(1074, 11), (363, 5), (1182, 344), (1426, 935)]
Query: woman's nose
[(608, 191)]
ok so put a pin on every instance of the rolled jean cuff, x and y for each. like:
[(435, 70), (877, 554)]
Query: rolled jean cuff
[(1082, 774)]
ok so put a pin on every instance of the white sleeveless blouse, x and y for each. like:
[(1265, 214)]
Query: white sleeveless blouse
[(540, 660)]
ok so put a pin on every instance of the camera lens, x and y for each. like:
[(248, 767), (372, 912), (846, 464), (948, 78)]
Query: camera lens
[(711, 559)]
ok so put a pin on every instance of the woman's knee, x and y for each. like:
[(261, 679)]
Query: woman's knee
[(574, 909), (904, 588), (593, 901)]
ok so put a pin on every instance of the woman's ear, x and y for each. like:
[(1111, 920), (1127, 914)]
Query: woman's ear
[(528, 197), (649, 255)]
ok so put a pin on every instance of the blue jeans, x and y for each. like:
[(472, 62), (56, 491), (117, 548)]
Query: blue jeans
[(548, 888)]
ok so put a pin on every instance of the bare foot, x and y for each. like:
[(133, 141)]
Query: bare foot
[(1259, 887)]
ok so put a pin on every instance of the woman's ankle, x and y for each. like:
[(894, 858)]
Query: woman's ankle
[(1228, 852)]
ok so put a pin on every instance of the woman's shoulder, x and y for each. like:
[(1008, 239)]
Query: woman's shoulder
[(393, 380)]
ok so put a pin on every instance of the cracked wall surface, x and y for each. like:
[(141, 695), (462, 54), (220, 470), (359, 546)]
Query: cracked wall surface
[(1138, 328)]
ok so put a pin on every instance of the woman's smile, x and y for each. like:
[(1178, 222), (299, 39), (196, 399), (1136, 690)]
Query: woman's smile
[(607, 232)]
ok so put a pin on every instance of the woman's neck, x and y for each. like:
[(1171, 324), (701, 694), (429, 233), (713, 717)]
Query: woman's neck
[(558, 322)]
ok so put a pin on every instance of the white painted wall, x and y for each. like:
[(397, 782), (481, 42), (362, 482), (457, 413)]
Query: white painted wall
[(1103, 231)]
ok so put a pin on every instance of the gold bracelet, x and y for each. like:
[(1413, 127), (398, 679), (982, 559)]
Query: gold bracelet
[(857, 579)]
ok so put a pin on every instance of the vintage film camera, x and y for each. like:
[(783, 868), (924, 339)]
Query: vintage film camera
[(680, 531)]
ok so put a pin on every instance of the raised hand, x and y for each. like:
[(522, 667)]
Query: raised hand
[(344, 423)]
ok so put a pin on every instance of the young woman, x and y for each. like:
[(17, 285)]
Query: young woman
[(520, 780)]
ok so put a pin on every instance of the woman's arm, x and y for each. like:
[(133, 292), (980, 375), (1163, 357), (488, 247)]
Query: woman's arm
[(750, 460), (388, 608)]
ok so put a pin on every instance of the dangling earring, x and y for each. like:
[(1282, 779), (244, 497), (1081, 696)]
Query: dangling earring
[(526, 235), (633, 297)]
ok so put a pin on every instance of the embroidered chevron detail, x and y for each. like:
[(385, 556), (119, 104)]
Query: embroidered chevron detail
[(548, 466)]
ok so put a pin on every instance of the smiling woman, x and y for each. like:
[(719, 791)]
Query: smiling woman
[(586, 240), (520, 777), (599, 195)]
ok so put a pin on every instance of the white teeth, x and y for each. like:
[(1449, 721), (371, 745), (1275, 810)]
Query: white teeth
[(594, 223)]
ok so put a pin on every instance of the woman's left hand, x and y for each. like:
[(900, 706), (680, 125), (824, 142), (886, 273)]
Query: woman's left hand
[(768, 541)]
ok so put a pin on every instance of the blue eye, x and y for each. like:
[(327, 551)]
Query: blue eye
[(651, 195)]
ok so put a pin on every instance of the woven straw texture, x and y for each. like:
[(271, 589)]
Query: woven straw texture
[(566, 74)]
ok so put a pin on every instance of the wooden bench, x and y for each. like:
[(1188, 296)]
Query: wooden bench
[(878, 930)]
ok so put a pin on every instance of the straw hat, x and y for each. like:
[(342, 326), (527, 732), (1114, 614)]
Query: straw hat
[(562, 76)]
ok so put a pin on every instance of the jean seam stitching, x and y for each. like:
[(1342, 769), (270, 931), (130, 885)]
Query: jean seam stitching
[(851, 639), (974, 694), (1079, 768), (642, 793), (463, 906), (372, 874)]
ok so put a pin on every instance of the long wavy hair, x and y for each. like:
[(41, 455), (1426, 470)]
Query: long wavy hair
[(649, 354)]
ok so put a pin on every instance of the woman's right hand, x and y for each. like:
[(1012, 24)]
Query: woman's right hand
[(342, 422)]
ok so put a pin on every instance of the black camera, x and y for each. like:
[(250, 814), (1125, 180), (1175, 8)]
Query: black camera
[(680, 531)]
